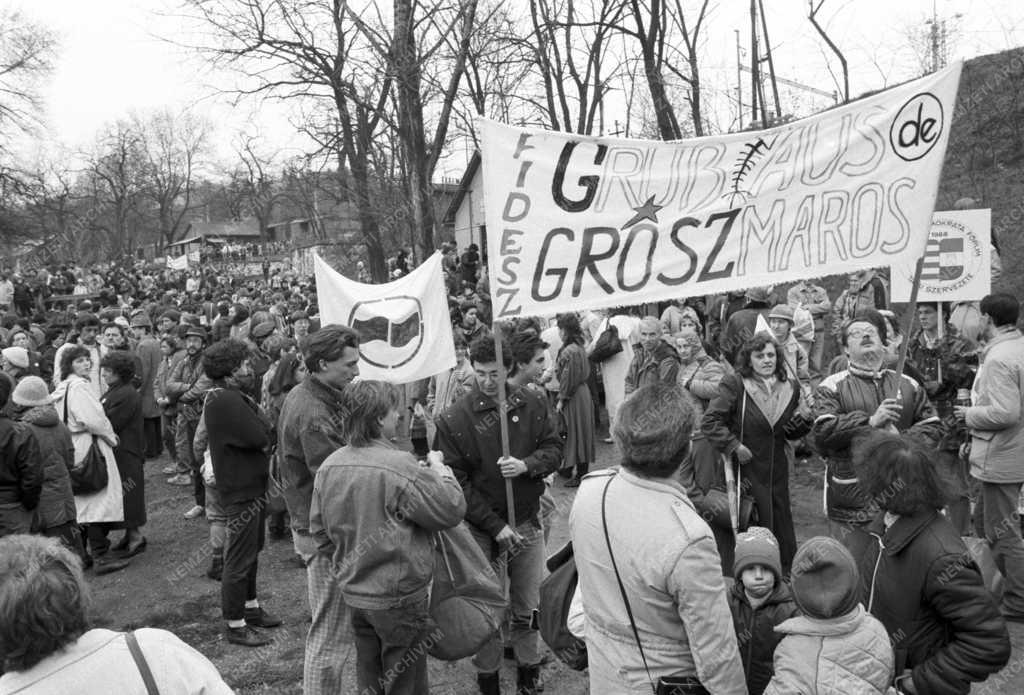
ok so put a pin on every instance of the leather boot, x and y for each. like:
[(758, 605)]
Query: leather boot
[(490, 683), (526, 680), (216, 566)]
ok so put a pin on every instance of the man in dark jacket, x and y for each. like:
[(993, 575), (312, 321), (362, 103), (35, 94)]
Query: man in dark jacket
[(21, 471), (185, 388), (309, 430), (742, 325), (854, 402), (238, 436), (468, 434)]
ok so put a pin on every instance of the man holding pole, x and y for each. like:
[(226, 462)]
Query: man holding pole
[(507, 527)]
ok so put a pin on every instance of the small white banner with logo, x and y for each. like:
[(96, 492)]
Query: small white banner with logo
[(404, 328), (579, 222), (957, 260)]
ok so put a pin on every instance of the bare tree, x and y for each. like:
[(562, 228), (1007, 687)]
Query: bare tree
[(172, 147), (27, 51), (813, 8), (689, 33), (255, 182), (115, 182)]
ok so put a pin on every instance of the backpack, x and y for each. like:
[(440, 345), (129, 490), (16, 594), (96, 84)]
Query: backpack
[(556, 593)]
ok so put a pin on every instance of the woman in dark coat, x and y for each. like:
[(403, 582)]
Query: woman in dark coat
[(755, 412), (574, 400), (123, 407), (918, 578)]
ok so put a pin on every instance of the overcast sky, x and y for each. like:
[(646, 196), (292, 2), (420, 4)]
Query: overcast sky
[(112, 60)]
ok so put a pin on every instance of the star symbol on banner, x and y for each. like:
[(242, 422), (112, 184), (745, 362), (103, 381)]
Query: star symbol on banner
[(647, 211)]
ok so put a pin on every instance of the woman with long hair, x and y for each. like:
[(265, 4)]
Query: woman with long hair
[(574, 400), (80, 409), (754, 413)]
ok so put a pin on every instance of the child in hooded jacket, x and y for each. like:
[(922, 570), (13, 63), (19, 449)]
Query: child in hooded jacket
[(836, 647), (759, 600)]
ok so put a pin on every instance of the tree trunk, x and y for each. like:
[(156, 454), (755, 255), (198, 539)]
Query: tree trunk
[(410, 129)]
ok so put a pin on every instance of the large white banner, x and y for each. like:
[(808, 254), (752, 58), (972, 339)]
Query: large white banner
[(957, 260), (404, 327), (177, 262), (580, 222)]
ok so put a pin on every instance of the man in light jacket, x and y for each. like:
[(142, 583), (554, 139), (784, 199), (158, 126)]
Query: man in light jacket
[(997, 443)]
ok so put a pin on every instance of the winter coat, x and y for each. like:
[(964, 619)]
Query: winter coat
[(670, 569), (21, 476), (921, 582), (121, 406), (737, 416), (701, 378), (447, 387), (86, 420), (848, 655), (57, 455), (755, 629), (163, 374), (996, 417), (844, 403), (148, 352), (187, 385), (468, 435), (660, 365)]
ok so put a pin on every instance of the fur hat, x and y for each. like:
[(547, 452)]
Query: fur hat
[(18, 356), (825, 580), (759, 294), (757, 546), (31, 391)]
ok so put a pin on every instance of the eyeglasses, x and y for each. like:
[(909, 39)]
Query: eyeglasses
[(861, 332)]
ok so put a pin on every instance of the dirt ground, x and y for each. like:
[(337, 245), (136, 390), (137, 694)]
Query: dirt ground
[(166, 587)]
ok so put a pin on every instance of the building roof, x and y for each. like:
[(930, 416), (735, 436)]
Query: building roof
[(464, 183), (248, 228)]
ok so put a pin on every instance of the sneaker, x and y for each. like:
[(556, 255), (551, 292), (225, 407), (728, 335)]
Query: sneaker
[(257, 617), (247, 636), (180, 479), (169, 470), (194, 512)]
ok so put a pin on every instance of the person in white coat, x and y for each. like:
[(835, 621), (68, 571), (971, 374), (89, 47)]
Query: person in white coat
[(614, 369), (80, 409)]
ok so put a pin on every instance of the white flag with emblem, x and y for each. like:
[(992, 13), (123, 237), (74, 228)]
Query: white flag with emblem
[(404, 328)]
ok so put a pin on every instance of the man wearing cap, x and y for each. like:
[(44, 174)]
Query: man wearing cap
[(21, 470), (167, 321), (781, 319), (814, 299), (186, 387), (862, 398), (147, 349)]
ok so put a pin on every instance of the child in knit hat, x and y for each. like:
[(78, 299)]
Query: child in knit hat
[(760, 600), (835, 646)]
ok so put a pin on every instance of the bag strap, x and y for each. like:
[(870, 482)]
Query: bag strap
[(66, 395), (622, 588), (140, 662)]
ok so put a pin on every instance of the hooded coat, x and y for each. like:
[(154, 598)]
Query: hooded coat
[(57, 456), (755, 629)]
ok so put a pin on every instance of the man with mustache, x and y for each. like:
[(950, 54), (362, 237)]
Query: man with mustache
[(853, 402)]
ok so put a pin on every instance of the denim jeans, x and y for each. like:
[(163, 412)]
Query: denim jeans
[(391, 649), (525, 572)]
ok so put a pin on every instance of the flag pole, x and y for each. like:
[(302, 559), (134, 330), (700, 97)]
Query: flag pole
[(503, 419), (908, 321)]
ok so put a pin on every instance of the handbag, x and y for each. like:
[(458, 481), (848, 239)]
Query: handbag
[(467, 601), (556, 593), (666, 685), (89, 475), (608, 344)]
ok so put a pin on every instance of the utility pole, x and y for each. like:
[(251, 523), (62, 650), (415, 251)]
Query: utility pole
[(771, 61), (755, 68), (739, 81)]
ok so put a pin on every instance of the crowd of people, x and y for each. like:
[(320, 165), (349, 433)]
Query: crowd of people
[(690, 571)]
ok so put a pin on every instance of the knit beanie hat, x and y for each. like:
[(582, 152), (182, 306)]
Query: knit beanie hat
[(31, 391), (18, 356), (757, 546), (825, 580)]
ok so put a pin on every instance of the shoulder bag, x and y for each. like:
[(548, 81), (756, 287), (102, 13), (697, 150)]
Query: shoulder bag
[(556, 593), (666, 685), (90, 475), (141, 663), (608, 344)]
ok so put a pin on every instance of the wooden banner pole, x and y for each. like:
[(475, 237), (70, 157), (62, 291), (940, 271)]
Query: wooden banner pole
[(908, 321)]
